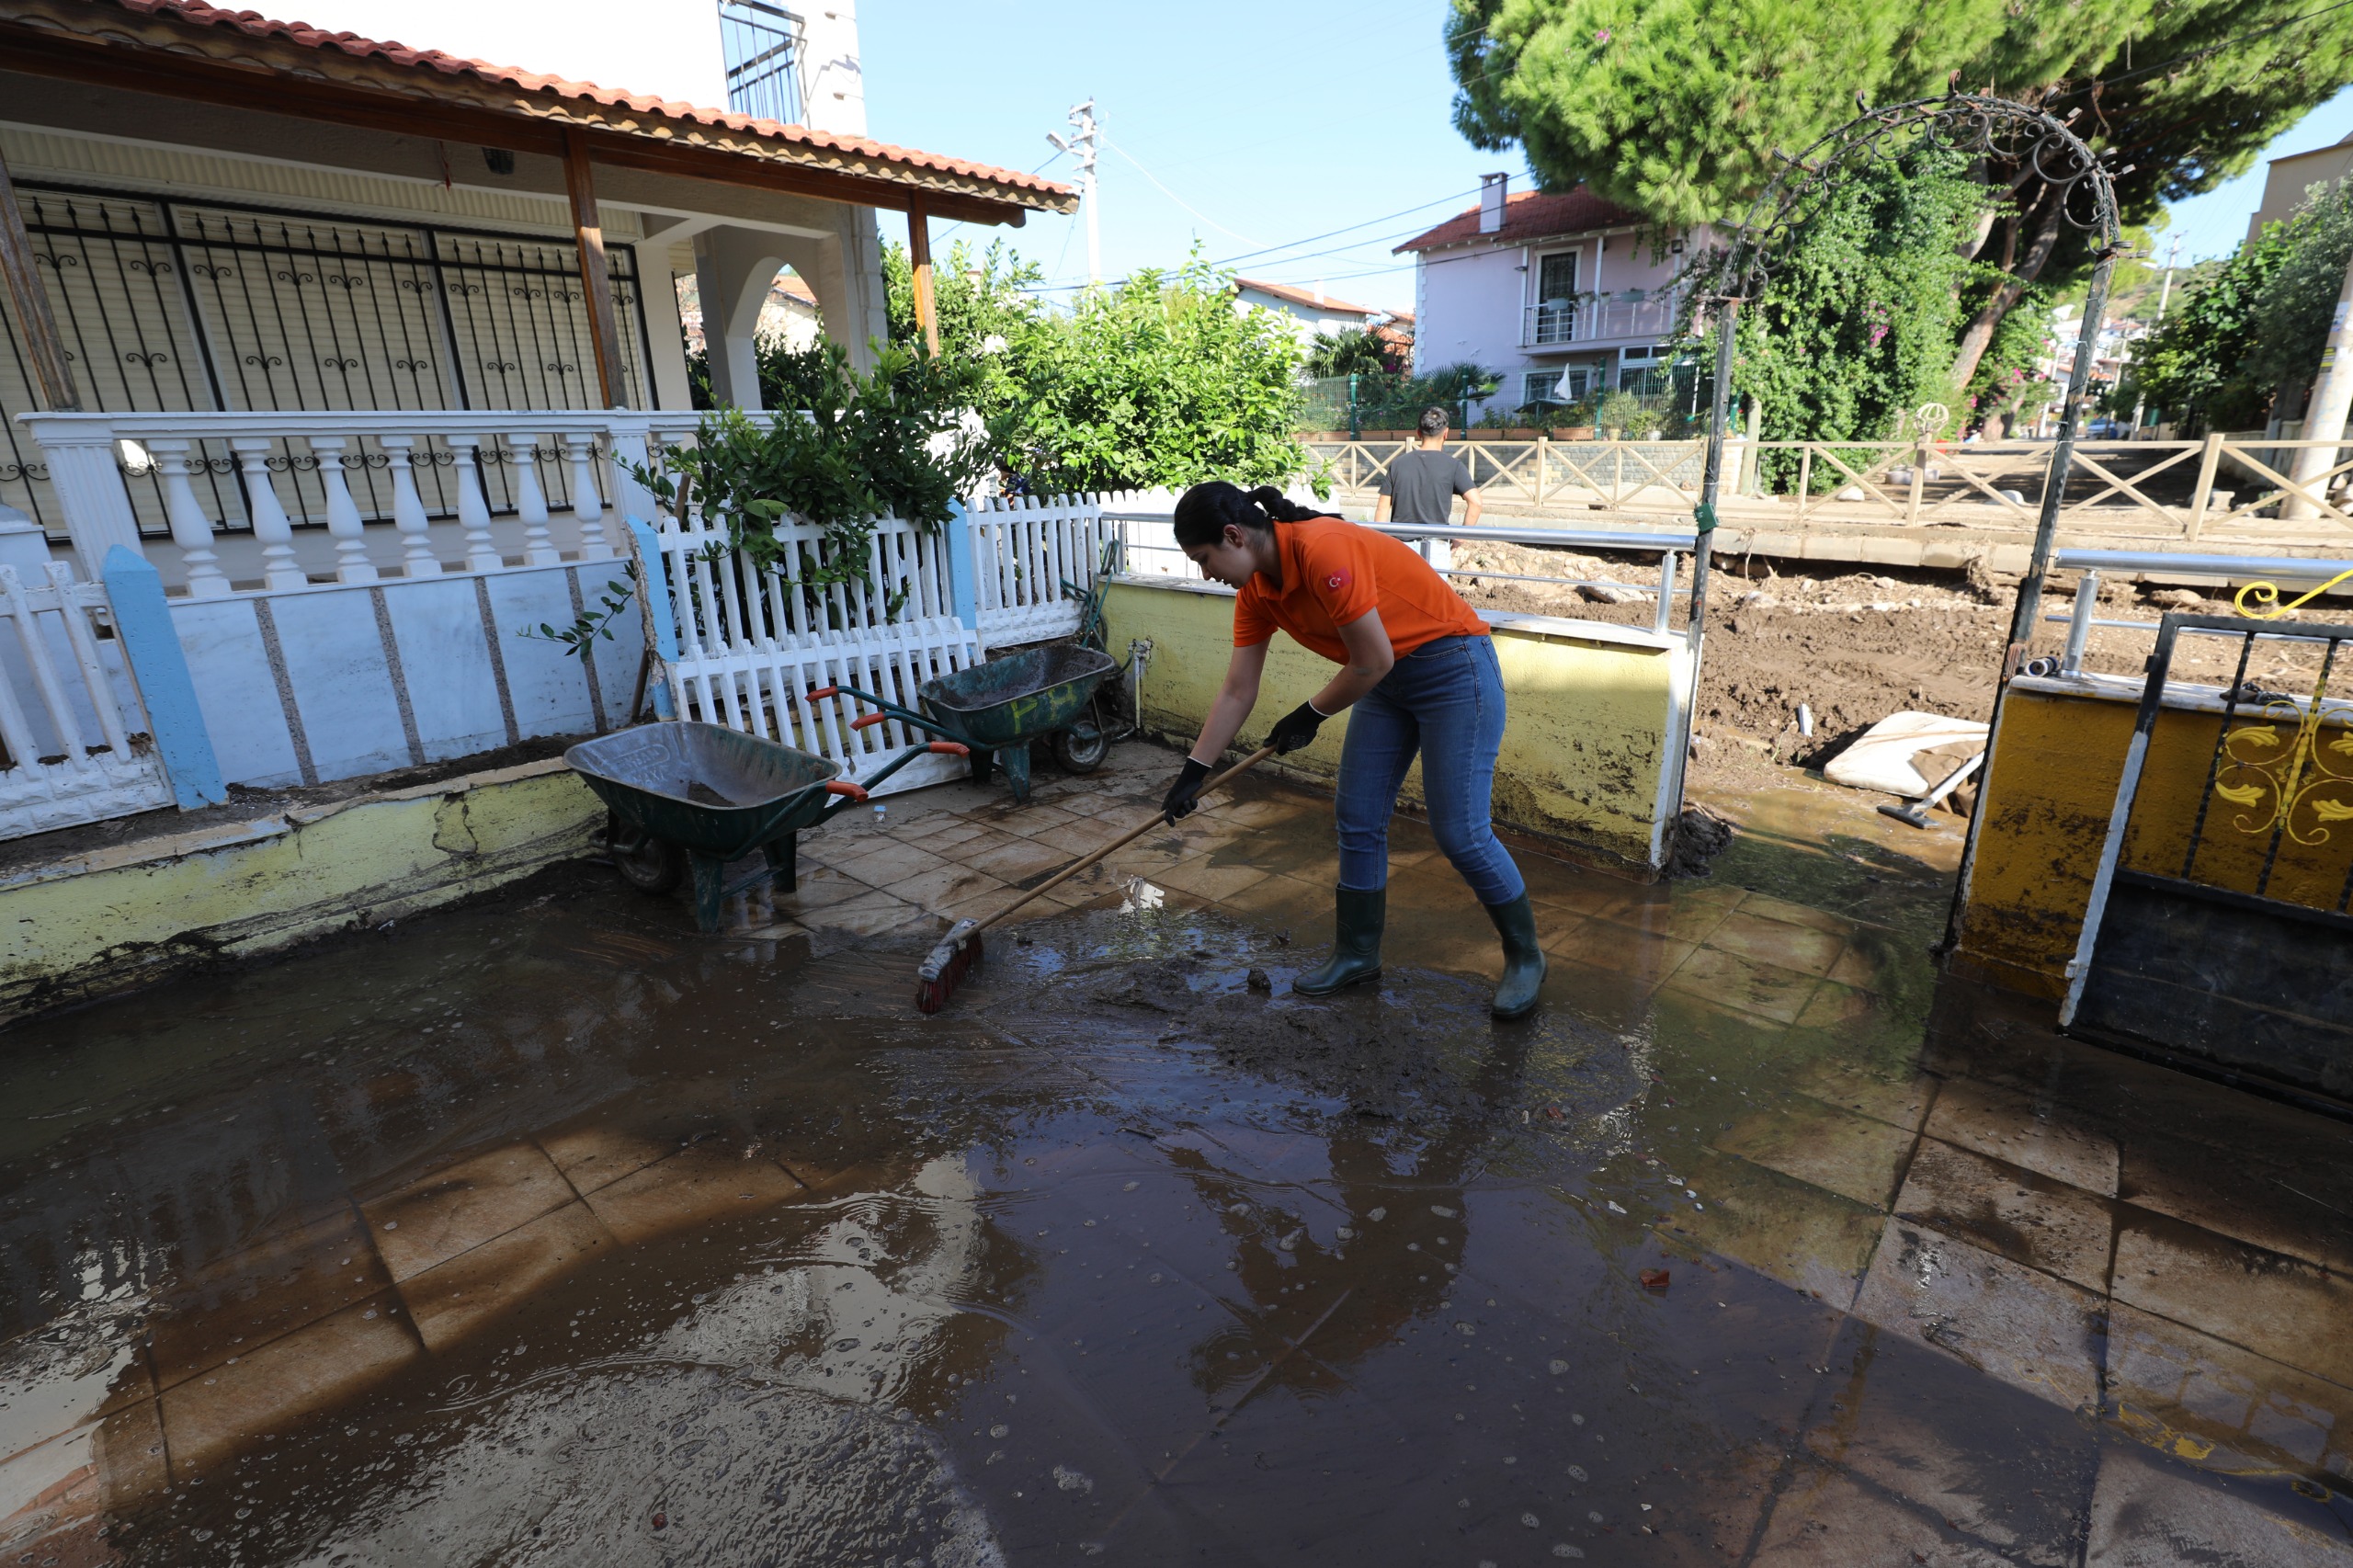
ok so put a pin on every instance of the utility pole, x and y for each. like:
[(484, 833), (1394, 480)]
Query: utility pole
[(2324, 412), (2164, 292), (1081, 146)]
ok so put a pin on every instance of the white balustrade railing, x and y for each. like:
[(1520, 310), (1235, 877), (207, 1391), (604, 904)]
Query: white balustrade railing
[(199, 476), (1593, 318), (72, 728)]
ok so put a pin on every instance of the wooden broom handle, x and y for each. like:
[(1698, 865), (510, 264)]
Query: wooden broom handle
[(1075, 868)]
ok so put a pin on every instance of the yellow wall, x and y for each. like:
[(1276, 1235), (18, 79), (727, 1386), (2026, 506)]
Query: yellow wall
[(2046, 805), (136, 914), (1582, 751)]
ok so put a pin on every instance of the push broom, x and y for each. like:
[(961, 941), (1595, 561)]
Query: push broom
[(959, 952)]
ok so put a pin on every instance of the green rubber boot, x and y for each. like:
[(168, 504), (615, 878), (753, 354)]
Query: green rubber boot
[(1356, 948), (1523, 959)]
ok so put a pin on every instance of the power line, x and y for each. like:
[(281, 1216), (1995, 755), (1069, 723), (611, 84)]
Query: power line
[(1386, 216), (2215, 47), (1174, 197)]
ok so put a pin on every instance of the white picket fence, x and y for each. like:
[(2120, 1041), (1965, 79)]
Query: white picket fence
[(1024, 549), (73, 729), (752, 643)]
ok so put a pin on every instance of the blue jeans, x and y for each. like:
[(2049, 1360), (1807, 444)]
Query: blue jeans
[(1444, 700)]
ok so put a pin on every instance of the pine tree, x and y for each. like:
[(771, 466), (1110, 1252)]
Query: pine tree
[(1678, 107)]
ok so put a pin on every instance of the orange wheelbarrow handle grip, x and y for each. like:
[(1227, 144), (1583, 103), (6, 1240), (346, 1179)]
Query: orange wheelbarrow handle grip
[(949, 748), (870, 719), (819, 693), (844, 787)]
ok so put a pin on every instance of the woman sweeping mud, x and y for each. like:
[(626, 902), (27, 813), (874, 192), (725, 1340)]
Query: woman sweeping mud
[(1418, 666)]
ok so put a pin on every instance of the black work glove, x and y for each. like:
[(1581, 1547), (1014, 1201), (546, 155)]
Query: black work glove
[(1184, 796), (1295, 729)]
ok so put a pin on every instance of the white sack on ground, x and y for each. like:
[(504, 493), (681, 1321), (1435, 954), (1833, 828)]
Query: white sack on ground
[(1907, 754)]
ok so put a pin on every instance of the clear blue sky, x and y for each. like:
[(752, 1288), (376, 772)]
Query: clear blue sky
[(1263, 125), (1274, 122), (2214, 223)]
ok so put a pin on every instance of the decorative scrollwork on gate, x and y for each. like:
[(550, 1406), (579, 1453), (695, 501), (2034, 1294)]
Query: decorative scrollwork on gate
[(52, 260), (2267, 595), (337, 362), (2293, 757), (150, 357)]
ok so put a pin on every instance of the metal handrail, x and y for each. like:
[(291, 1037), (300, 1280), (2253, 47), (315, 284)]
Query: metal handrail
[(1668, 544), (2173, 563), (2249, 570)]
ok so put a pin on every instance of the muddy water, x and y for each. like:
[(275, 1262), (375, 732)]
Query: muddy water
[(549, 1232)]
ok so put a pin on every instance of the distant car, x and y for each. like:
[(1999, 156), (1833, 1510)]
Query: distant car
[(2104, 429)]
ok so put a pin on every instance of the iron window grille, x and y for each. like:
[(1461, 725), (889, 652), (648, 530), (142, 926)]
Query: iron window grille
[(167, 306)]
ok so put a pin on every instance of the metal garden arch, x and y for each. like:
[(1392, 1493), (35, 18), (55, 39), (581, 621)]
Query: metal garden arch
[(2031, 141)]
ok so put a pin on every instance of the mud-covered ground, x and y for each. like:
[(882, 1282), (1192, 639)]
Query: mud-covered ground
[(550, 1231), (1854, 647)]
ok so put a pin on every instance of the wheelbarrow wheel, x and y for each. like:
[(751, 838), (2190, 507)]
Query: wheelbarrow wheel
[(1083, 746), (650, 865)]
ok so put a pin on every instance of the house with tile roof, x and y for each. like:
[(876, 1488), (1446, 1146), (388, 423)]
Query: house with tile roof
[(1316, 312), (334, 372), (1562, 293), (215, 211)]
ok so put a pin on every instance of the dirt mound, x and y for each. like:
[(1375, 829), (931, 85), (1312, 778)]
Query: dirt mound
[(1797, 665)]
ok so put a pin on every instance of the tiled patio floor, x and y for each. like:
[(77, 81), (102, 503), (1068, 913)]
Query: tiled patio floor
[(560, 1218)]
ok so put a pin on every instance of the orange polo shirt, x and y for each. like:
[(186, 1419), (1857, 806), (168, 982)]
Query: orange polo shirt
[(1334, 573)]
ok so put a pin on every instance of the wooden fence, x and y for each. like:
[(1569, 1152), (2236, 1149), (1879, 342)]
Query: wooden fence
[(2225, 486)]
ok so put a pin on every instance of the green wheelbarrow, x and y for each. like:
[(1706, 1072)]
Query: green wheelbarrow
[(690, 797), (996, 709)]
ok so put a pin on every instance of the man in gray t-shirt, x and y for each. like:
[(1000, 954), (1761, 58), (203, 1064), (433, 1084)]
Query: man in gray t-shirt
[(1420, 486)]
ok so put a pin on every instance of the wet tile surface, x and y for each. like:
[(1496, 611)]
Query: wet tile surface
[(551, 1232), (2025, 1217), (2017, 1325), (2026, 1131)]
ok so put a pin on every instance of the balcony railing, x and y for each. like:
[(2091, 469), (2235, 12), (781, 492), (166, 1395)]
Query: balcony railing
[(1590, 318)]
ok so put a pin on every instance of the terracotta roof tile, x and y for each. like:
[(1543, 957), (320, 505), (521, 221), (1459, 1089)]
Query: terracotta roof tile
[(1530, 215), (1299, 296), (254, 24)]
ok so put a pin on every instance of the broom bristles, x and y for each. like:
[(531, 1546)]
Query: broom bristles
[(945, 967)]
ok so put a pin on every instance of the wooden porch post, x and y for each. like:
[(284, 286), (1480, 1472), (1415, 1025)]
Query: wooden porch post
[(604, 321), (29, 296), (919, 254)]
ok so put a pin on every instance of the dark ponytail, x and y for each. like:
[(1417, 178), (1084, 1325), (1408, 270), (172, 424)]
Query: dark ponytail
[(1281, 507), (1204, 511)]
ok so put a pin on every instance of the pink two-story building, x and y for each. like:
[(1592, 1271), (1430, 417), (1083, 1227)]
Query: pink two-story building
[(1564, 295)]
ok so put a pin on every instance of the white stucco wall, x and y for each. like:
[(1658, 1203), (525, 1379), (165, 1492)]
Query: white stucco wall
[(1470, 307), (663, 47), (1473, 301)]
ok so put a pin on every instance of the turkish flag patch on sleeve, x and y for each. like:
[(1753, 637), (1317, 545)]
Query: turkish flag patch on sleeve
[(1336, 581)]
